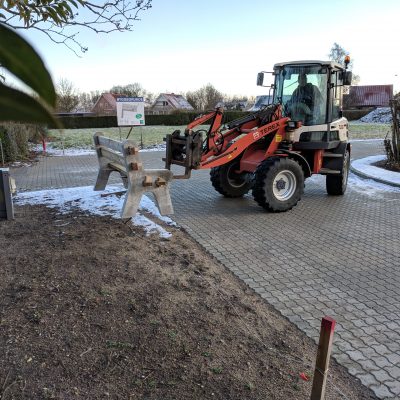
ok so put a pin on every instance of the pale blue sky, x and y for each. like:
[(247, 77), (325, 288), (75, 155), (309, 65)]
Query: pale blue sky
[(181, 45)]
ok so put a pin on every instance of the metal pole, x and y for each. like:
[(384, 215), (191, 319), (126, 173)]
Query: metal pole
[(62, 141), (2, 154)]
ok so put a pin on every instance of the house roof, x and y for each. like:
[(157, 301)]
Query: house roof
[(176, 100), (367, 96), (110, 98)]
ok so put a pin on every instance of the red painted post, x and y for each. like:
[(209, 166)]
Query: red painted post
[(44, 144), (323, 357)]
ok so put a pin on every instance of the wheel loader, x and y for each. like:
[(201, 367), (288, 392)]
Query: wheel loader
[(273, 150)]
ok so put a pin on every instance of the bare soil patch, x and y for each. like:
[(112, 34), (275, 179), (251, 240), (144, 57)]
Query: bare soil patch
[(91, 309), (388, 166)]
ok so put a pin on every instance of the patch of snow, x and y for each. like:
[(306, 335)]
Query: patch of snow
[(150, 227), (157, 147), (147, 205), (87, 200), (365, 186), (364, 166), (83, 151), (370, 187), (56, 152), (380, 115), (366, 140), (19, 164)]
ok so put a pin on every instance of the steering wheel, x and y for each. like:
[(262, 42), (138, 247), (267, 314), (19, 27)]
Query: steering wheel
[(300, 108), (300, 111)]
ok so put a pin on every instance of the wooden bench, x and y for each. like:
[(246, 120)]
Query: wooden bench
[(123, 157)]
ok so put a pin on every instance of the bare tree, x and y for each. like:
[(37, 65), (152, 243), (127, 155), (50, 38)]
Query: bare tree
[(88, 100), (67, 96), (61, 20), (337, 54), (132, 90), (205, 98)]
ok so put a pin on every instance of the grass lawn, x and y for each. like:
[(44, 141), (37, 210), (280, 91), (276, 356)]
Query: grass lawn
[(153, 135)]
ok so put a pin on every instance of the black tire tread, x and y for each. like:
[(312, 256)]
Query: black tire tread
[(334, 186), (217, 175), (259, 185)]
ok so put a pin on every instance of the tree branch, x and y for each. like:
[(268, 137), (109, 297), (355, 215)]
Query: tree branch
[(54, 17)]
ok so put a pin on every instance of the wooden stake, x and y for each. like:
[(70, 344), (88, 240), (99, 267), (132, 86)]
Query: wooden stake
[(323, 357), (148, 181)]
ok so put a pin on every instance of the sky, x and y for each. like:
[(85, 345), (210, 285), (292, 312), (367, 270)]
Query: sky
[(181, 45)]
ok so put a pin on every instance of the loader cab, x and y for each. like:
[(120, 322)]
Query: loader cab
[(310, 91)]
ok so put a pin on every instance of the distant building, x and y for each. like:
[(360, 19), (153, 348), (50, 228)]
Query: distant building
[(234, 105), (106, 104), (368, 96), (261, 101), (165, 103)]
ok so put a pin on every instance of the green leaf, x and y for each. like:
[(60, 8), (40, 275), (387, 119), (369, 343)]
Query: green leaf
[(20, 107), (19, 57)]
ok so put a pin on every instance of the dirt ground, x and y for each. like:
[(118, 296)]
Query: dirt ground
[(92, 309), (385, 165)]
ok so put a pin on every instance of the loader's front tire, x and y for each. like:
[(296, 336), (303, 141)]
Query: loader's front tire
[(336, 185), (228, 182), (278, 184)]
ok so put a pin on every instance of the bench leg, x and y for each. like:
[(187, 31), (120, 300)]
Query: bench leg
[(163, 199), (131, 203), (124, 181), (102, 178)]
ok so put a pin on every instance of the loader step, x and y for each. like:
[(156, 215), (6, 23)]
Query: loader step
[(316, 145), (327, 171), (333, 155)]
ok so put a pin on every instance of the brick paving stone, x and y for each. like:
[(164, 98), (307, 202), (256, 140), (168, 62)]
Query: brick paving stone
[(394, 387), (368, 380), (394, 372), (329, 255), (383, 391)]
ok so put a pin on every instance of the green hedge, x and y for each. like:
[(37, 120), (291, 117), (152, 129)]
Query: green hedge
[(14, 138), (182, 118)]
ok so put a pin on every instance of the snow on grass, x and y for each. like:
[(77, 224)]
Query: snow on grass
[(87, 200), (57, 152), (82, 151)]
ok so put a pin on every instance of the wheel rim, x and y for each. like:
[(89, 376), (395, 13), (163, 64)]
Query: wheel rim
[(284, 185), (236, 180)]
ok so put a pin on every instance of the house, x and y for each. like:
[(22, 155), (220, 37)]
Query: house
[(106, 104), (165, 103), (360, 97)]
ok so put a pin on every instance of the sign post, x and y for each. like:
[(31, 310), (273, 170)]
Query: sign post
[(130, 112)]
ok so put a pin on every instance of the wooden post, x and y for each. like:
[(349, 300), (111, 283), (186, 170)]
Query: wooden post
[(323, 357)]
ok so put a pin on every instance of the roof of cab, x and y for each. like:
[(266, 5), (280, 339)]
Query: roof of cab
[(331, 64)]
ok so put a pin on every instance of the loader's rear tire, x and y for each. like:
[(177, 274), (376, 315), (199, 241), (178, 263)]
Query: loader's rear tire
[(228, 182), (336, 185), (278, 184)]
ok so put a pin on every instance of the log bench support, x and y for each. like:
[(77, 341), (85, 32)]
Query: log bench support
[(123, 157)]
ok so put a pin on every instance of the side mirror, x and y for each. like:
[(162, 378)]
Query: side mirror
[(260, 78), (348, 75)]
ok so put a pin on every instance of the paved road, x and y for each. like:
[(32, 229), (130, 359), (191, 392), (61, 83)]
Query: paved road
[(336, 256)]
